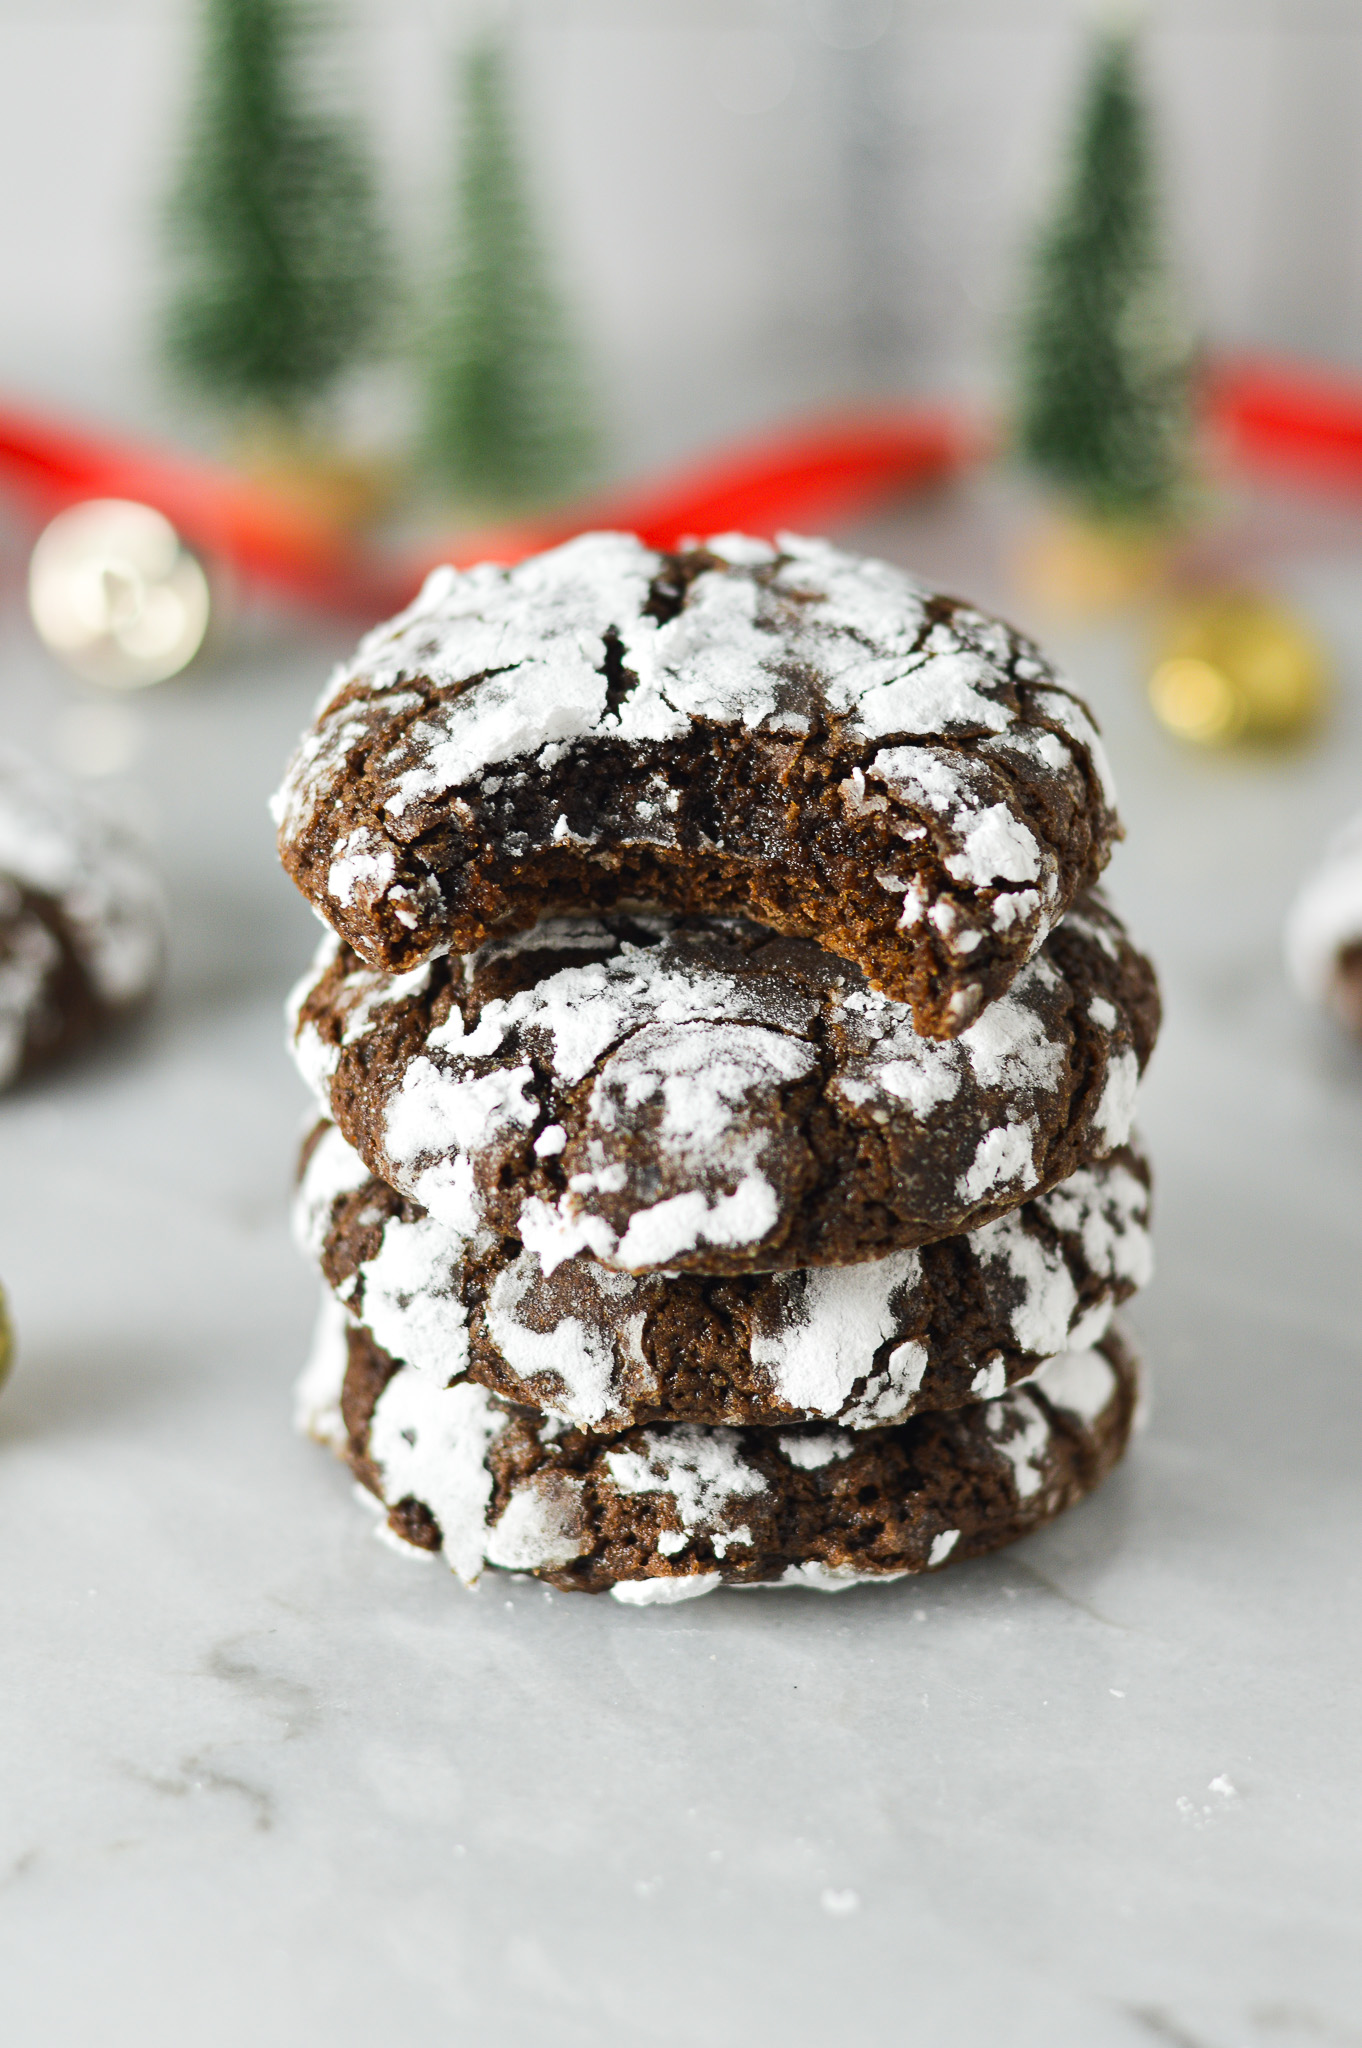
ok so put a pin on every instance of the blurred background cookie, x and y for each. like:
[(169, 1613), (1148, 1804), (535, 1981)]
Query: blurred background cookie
[(1324, 930), (81, 918)]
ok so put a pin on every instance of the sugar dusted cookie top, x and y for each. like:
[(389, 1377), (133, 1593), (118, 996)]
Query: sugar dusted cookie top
[(695, 1094), (798, 735)]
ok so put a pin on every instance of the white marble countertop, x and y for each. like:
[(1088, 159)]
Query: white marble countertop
[(265, 1780)]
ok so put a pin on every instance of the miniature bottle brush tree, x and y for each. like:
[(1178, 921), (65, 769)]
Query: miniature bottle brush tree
[(508, 419), (1104, 367), (279, 257)]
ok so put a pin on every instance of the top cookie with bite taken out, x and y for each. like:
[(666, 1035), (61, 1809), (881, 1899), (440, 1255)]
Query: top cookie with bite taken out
[(792, 734)]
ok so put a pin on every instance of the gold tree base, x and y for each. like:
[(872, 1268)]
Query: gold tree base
[(1079, 567), (326, 483)]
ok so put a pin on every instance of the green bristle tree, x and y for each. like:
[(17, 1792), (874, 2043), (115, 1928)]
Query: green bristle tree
[(278, 251), (1105, 367), (508, 416)]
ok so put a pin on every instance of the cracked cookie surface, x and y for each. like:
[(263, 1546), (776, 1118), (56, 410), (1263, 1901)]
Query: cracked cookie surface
[(676, 1510), (696, 1094), (956, 1321), (800, 736)]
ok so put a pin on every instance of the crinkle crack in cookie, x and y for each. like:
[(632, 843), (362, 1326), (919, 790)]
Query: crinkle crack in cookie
[(864, 1345), (81, 919), (800, 736), (665, 1513), (695, 1094)]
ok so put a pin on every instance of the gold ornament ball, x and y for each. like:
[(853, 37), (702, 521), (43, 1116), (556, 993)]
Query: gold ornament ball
[(1235, 668), (115, 595)]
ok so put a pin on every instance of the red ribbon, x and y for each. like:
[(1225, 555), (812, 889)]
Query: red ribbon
[(1293, 421), (1285, 420), (810, 476), (225, 517)]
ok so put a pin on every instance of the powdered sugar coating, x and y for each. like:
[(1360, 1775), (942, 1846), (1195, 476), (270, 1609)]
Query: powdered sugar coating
[(495, 1486), (863, 1345), (678, 1070), (430, 1444), (317, 1394), (533, 637), (1082, 1383), (957, 752), (703, 1470)]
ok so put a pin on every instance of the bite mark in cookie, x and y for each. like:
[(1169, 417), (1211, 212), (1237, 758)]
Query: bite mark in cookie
[(797, 735)]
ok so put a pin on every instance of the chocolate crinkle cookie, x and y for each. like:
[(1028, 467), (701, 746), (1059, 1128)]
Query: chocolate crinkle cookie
[(672, 1093), (665, 1513), (81, 919), (790, 734), (1324, 930), (956, 1321)]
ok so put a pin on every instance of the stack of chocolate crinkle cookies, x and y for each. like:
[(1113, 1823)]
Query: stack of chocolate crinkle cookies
[(725, 1068)]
